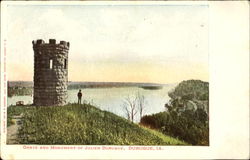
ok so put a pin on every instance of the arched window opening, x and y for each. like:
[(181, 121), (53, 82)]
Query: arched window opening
[(50, 63), (65, 63)]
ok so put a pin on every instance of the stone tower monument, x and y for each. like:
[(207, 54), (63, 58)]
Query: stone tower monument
[(50, 72)]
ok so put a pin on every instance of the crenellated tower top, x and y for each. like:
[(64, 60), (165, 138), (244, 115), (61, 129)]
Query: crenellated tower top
[(40, 42)]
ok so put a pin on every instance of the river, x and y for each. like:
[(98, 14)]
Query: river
[(112, 99)]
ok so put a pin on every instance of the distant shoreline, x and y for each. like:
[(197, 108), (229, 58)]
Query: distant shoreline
[(20, 88), (30, 83), (151, 87)]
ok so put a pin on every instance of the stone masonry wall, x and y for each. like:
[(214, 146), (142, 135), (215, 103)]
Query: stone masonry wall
[(50, 72)]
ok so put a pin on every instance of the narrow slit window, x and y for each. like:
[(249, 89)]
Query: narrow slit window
[(65, 63), (50, 64)]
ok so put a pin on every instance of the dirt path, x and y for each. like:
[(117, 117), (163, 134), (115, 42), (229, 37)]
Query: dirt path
[(12, 130)]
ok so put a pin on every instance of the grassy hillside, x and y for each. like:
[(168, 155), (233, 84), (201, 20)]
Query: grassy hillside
[(82, 124)]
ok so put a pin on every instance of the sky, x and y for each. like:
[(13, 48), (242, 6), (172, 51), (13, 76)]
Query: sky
[(113, 43)]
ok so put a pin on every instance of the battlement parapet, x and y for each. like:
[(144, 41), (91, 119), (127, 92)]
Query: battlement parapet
[(51, 42)]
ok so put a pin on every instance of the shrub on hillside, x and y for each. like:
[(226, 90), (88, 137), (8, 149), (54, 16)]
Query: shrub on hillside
[(190, 125)]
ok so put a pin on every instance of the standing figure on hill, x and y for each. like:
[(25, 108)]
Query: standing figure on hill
[(79, 95)]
